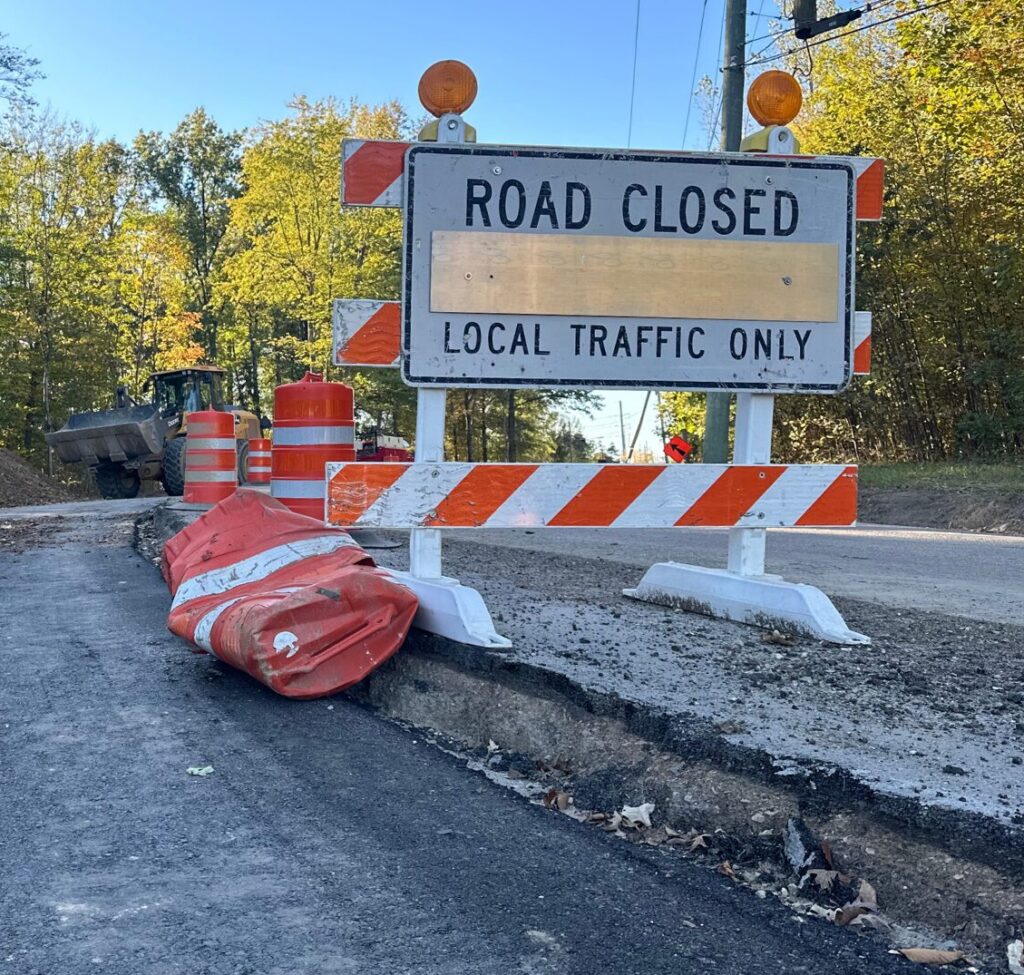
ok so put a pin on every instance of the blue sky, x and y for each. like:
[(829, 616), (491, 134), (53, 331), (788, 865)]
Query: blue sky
[(553, 73)]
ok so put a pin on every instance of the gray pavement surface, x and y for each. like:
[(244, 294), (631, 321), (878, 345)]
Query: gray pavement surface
[(326, 840), (964, 574)]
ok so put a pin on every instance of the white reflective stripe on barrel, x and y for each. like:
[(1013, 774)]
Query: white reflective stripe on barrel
[(211, 443), (198, 476), (201, 429), (282, 488), (309, 436), (254, 454)]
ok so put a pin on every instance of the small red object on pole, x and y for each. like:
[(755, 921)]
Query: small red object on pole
[(678, 449)]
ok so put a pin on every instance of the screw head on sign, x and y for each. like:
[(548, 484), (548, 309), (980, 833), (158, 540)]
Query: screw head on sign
[(447, 86)]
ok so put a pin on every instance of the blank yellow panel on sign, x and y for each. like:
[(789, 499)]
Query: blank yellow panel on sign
[(632, 277)]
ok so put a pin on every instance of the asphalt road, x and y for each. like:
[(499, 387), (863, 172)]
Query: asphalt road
[(326, 840), (962, 574)]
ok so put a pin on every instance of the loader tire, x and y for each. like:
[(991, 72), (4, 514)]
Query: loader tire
[(114, 481), (174, 467), (243, 462)]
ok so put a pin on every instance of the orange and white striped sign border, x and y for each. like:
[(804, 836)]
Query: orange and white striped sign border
[(372, 175), (372, 172), (367, 332), (861, 343), (459, 495)]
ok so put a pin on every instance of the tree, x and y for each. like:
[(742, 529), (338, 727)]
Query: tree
[(195, 171), (17, 72), (293, 250), (63, 197), (940, 96)]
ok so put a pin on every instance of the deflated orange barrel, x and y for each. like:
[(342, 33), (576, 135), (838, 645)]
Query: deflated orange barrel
[(211, 471), (313, 424), (295, 604), (259, 462)]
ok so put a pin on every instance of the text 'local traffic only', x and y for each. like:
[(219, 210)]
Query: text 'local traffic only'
[(587, 269)]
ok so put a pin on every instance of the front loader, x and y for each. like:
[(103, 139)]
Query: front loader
[(136, 442)]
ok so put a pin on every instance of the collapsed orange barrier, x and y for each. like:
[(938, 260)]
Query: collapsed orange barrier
[(297, 605)]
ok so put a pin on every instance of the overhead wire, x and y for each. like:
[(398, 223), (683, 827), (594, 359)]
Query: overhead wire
[(632, 90), (846, 33), (693, 74), (717, 112), (867, 8)]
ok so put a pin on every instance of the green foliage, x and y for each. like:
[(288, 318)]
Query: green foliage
[(940, 96), (210, 246)]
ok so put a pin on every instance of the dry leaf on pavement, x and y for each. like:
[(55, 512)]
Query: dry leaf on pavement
[(932, 956)]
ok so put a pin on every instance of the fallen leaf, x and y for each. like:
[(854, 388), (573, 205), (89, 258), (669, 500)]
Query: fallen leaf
[(725, 868), (849, 914), (779, 638), (1015, 956), (826, 852), (825, 879), (556, 799), (866, 897), (492, 746), (932, 956), (699, 842), (636, 816), (200, 770)]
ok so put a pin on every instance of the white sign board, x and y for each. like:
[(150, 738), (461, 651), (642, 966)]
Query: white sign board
[(581, 268)]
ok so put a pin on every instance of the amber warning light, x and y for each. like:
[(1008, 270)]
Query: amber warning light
[(447, 86), (774, 98)]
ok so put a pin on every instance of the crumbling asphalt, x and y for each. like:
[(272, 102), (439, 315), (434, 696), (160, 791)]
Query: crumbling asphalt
[(932, 712), (323, 840)]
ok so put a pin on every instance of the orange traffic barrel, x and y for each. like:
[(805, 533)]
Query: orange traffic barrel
[(259, 462), (313, 424), (211, 472)]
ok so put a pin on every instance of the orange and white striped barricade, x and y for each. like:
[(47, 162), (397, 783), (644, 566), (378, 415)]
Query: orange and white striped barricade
[(754, 496), (211, 457), (313, 425), (259, 461)]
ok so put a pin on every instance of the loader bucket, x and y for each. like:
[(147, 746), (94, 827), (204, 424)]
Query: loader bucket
[(110, 435)]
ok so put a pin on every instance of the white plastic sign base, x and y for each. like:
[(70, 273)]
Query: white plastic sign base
[(452, 610), (766, 601)]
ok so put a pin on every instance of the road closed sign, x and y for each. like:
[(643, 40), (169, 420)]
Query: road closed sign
[(541, 267)]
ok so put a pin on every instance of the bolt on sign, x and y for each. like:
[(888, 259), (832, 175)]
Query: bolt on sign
[(582, 268)]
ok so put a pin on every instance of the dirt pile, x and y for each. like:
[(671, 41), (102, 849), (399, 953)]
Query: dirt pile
[(21, 484), (973, 511)]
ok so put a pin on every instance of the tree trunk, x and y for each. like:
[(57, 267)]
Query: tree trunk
[(511, 453), (467, 406)]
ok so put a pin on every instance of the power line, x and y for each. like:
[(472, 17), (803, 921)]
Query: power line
[(847, 33), (867, 8), (632, 90), (717, 111), (693, 75)]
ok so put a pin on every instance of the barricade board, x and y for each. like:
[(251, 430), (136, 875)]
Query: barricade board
[(546, 268), (466, 495)]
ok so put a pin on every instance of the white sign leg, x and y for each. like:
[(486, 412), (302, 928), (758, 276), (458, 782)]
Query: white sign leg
[(743, 592), (446, 607)]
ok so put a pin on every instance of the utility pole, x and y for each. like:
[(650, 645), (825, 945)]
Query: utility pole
[(734, 53), (622, 430)]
